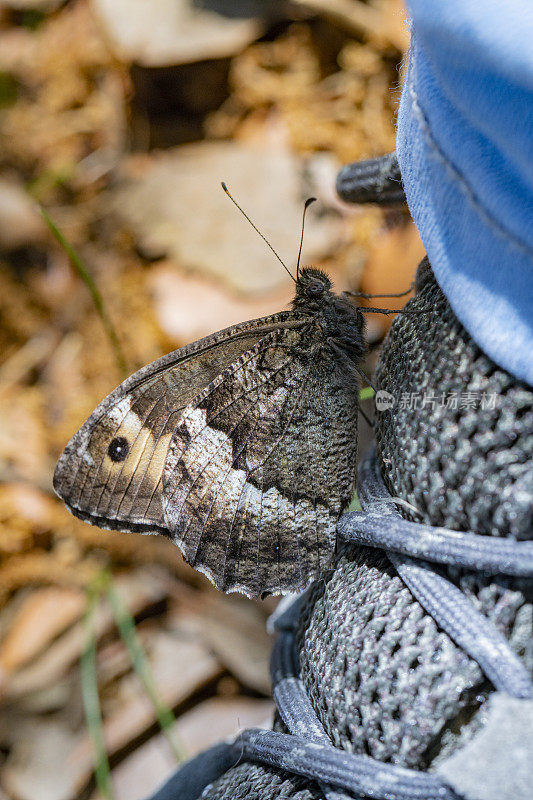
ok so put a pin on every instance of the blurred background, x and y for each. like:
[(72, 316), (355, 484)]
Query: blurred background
[(120, 118)]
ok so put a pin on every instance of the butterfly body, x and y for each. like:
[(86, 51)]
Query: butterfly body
[(241, 447)]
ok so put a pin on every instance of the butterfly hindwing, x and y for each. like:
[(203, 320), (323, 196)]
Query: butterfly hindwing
[(251, 490)]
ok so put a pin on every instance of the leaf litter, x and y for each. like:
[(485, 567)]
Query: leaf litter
[(82, 112)]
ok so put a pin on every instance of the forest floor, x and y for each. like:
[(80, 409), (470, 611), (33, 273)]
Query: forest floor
[(121, 123)]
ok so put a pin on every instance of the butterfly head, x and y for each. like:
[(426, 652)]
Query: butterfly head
[(313, 289), (340, 320)]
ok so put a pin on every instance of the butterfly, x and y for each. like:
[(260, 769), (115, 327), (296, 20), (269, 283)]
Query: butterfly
[(241, 447)]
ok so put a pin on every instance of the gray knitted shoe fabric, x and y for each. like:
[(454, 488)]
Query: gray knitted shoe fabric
[(466, 468), (382, 678)]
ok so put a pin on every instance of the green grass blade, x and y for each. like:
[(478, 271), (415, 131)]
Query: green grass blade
[(48, 179), (366, 393), (91, 701), (355, 505), (126, 626), (88, 280)]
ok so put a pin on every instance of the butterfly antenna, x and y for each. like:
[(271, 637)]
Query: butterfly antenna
[(306, 206), (245, 215)]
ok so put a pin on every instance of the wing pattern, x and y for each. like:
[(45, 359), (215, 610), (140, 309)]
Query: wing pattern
[(144, 410), (249, 489), (241, 447)]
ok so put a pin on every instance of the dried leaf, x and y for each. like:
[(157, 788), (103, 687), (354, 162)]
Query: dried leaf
[(44, 615), (364, 18), (207, 723), (41, 763), (19, 218), (169, 32), (235, 630), (139, 589), (180, 666), (176, 206), (189, 307)]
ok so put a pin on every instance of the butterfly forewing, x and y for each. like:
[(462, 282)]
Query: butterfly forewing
[(142, 413)]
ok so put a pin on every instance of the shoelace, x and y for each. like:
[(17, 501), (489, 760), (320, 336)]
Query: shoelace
[(414, 549)]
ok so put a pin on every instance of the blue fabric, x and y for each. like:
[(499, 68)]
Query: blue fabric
[(465, 148)]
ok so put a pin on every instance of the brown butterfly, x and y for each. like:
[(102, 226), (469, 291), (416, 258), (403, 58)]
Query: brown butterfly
[(240, 447)]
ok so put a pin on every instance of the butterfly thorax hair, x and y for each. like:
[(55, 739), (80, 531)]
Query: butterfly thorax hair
[(342, 323)]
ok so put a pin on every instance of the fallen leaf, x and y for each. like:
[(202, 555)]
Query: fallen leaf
[(41, 764), (45, 614), (20, 221), (169, 32), (24, 451), (27, 358), (180, 666), (373, 20), (234, 628), (173, 204), (189, 306), (30, 504), (139, 589), (206, 724)]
